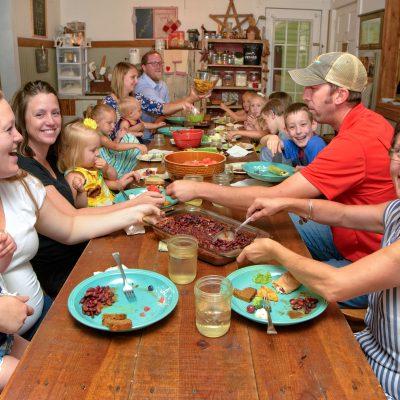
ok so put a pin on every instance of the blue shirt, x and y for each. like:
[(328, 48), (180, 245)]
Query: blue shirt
[(291, 150), (157, 91)]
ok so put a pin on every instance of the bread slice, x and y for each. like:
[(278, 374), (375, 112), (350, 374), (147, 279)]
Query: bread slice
[(286, 283), (116, 322), (267, 292), (246, 294), (154, 180)]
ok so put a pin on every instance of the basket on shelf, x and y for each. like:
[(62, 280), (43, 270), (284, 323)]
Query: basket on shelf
[(174, 163)]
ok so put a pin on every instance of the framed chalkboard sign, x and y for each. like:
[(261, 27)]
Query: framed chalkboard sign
[(39, 17)]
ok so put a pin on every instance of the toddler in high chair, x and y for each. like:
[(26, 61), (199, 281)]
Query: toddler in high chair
[(122, 153), (298, 144), (88, 175), (130, 122)]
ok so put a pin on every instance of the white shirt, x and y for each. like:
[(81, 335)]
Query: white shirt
[(20, 214)]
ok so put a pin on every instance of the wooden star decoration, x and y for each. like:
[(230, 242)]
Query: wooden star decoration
[(230, 13)]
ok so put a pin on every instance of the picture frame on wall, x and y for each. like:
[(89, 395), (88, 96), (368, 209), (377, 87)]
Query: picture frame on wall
[(39, 18), (371, 28), (148, 22)]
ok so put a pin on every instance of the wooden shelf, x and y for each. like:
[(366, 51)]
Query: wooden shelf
[(389, 111), (233, 88), (231, 107), (233, 66), (238, 41)]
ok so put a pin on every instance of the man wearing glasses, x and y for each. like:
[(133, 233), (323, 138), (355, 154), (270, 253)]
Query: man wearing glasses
[(151, 85)]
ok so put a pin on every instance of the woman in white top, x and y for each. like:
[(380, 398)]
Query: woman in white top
[(25, 209), (377, 274)]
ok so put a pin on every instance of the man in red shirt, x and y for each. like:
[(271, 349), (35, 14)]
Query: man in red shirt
[(352, 169)]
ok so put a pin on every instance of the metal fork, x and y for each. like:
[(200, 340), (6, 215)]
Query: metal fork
[(267, 306), (127, 288)]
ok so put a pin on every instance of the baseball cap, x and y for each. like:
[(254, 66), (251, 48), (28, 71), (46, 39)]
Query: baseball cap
[(341, 69)]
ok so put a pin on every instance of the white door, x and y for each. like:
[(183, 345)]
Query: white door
[(344, 29), (294, 37)]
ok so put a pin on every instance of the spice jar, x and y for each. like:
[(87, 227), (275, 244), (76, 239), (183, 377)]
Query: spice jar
[(253, 79), (224, 58), (241, 78), (227, 80), (219, 58), (238, 58)]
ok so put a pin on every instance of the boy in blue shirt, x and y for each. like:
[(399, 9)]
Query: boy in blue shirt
[(301, 145)]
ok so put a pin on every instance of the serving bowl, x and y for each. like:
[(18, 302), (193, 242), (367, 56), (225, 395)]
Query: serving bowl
[(204, 82), (176, 167), (186, 138), (195, 118)]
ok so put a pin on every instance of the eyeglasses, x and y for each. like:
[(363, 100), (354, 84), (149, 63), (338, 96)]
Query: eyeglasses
[(155, 63), (394, 154)]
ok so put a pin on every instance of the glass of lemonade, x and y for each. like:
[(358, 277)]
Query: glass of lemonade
[(196, 178), (182, 265), (213, 294)]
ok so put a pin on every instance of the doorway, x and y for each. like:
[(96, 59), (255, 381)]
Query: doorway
[(294, 37)]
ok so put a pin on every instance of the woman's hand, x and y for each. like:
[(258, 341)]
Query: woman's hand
[(7, 249), (261, 251), (154, 198), (263, 207)]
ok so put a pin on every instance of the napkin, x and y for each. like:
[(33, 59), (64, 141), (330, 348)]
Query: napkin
[(237, 151), (162, 246)]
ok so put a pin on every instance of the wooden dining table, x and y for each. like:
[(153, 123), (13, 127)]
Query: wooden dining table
[(317, 359)]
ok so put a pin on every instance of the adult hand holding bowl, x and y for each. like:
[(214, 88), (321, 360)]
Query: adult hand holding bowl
[(204, 82)]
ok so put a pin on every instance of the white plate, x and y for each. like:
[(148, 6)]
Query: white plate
[(152, 157), (145, 172), (246, 146)]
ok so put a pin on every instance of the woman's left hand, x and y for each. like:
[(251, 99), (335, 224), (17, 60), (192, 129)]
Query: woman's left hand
[(258, 252)]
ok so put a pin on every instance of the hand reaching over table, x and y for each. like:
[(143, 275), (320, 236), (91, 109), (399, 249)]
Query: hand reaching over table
[(261, 251), (183, 190), (153, 198), (147, 211)]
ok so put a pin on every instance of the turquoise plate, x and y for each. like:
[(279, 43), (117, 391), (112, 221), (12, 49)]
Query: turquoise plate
[(167, 130), (119, 198), (243, 278), (162, 300), (259, 170), (176, 120)]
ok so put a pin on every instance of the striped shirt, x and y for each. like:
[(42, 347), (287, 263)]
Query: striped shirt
[(380, 340)]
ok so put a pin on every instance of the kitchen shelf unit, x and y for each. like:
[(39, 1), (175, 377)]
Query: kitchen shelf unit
[(72, 70), (232, 46)]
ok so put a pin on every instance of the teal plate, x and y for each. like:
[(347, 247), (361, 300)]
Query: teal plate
[(176, 120), (119, 198), (259, 170), (243, 278), (167, 130), (161, 301)]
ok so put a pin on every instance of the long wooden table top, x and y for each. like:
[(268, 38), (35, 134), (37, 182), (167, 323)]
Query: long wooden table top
[(318, 359)]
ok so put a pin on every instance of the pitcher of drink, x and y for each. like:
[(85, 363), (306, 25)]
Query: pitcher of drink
[(213, 294)]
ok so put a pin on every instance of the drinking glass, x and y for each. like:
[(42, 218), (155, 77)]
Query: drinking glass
[(159, 139), (196, 178), (213, 294), (222, 179), (182, 264)]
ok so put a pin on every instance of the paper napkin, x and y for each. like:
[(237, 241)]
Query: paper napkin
[(237, 151)]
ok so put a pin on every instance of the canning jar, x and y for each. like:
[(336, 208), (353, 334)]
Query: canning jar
[(224, 58), (227, 80), (222, 179), (241, 79), (253, 79)]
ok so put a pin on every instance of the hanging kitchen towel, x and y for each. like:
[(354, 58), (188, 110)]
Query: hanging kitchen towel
[(176, 61)]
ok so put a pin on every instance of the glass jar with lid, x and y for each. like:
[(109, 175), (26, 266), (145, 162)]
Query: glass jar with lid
[(241, 78), (253, 79), (224, 58), (238, 58), (227, 79)]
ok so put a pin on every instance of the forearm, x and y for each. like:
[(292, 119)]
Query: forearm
[(81, 200), (172, 108), (151, 125)]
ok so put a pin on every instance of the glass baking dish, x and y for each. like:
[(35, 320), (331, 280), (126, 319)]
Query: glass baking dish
[(214, 256)]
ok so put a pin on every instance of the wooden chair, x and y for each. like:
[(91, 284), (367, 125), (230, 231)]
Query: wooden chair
[(355, 318)]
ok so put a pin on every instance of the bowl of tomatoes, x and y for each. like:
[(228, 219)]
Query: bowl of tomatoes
[(183, 163)]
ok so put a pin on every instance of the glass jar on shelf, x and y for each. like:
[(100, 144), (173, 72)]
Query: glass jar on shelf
[(241, 79), (227, 79), (238, 58), (253, 80), (224, 58), (219, 58), (231, 59)]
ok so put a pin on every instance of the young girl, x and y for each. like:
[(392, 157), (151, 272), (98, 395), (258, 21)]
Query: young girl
[(88, 175), (120, 153), (131, 112), (241, 115), (253, 128)]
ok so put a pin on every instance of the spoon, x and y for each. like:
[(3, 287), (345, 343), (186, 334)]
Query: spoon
[(229, 235)]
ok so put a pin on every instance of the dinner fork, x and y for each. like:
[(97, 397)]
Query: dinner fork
[(127, 288), (267, 306)]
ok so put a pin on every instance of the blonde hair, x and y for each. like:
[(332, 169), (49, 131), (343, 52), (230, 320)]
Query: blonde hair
[(73, 141), (97, 112), (126, 105), (118, 75)]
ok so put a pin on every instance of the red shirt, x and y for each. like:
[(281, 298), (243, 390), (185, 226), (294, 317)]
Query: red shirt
[(354, 169)]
